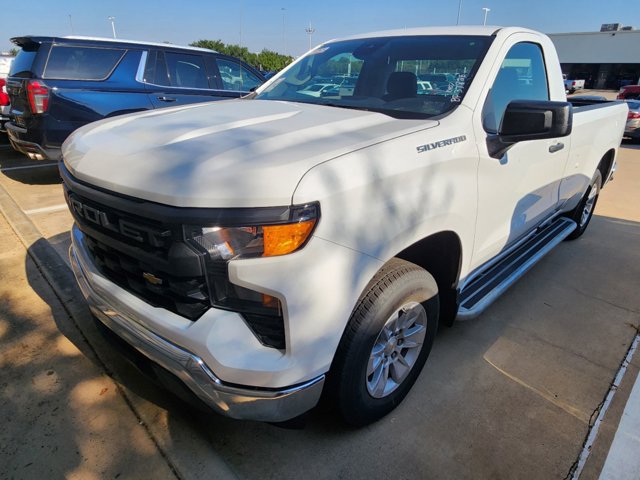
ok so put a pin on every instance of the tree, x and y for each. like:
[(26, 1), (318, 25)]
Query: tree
[(14, 51), (265, 60)]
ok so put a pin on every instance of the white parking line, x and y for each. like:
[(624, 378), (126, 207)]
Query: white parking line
[(52, 208), (622, 461), (26, 167)]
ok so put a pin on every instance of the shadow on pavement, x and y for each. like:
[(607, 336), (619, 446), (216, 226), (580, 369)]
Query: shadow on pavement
[(509, 392), (630, 144), (60, 418), (41, 175)]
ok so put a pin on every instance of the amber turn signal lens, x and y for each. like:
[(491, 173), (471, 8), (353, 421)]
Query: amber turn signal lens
[(283, 239)]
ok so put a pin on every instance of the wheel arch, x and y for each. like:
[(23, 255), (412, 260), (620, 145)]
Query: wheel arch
[(441, 255), (606, 164)]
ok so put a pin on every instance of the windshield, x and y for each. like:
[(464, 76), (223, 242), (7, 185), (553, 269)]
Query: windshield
[(405, 77)]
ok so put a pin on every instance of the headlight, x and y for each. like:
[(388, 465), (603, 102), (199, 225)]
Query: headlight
[(257, 236), (259, 240)]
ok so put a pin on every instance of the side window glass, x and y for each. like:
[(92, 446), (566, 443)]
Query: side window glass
[(150, 68), (522, 76), (235, 77), (82, 63), (161, 77), (186, 71), (249, 80)]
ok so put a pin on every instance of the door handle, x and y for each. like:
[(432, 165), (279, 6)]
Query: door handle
[(556, 147), (166, 99)]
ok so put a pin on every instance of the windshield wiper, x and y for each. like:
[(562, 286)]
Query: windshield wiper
[(350, 107), (390, 112)]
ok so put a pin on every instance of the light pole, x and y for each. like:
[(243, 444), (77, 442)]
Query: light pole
[(459, 12), (284, 41), (241, 14), (71, 25), (310, 31), (486, 12), (113, 25)]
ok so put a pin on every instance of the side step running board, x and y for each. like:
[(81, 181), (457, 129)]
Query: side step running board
[(489, 285)]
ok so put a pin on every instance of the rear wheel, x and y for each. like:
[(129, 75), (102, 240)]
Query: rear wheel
[(584, 211), (385, 344)]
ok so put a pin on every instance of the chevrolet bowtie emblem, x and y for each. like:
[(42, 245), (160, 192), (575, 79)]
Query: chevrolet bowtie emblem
[(151, 278)]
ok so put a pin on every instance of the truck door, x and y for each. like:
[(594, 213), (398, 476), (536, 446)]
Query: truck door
[(521, 189)]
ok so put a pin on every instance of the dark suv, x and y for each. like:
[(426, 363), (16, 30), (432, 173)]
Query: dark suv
[(59, 84)]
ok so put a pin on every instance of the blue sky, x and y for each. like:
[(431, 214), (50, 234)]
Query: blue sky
[(183, 21)]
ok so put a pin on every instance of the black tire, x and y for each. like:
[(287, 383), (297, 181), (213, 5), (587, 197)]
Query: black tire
[(398, 284), (580, 214)]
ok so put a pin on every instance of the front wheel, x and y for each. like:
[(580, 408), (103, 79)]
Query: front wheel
[(584, 211), (386, 343)]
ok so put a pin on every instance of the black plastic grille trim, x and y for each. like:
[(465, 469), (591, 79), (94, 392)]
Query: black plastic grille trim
[(187, 297)]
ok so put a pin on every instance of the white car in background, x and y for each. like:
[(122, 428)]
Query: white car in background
[(316, 89)]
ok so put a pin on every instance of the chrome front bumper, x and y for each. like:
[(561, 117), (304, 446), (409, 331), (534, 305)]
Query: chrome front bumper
[(248, 403)]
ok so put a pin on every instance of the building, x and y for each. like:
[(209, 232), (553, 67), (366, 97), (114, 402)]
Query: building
[(608, 59)]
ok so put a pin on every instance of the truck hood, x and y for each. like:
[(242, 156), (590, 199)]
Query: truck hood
[(236, 153)]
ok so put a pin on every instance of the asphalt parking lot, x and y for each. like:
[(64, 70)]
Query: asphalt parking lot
[(510, 394)]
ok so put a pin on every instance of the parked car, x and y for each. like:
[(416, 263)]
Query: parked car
[(439, 81), (268, 250), (424, 87), (571, 86), (5, 67), (346, 83), (331, 92), (57, 85), (630, 92), (317, 89), (632, 127)]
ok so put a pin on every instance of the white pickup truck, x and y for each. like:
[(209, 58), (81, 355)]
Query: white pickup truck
[(271, 249), (571, 86)]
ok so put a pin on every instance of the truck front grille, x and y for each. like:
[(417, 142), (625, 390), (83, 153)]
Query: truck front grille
[(185, 296), (147, 259), (147, 250)]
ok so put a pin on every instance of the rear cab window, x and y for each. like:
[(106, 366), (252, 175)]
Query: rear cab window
[(82, 63)]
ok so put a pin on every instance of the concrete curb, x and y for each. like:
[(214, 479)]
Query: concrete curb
[(48, 261), (61, 280)]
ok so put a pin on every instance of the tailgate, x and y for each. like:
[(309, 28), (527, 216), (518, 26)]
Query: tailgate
[(24, 67), (17, 90)]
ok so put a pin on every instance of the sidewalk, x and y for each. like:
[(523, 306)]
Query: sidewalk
[(61, 416)]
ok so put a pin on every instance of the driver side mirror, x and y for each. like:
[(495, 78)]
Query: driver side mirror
[(530, 120)]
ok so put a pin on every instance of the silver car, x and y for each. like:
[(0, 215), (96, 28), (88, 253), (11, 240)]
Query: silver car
[(632, 129)]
